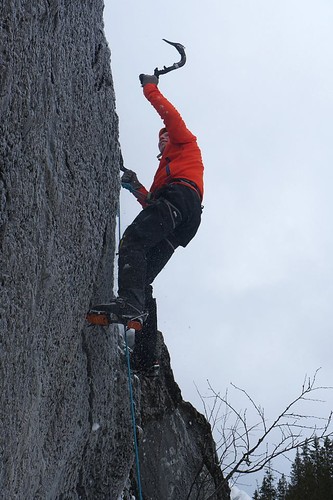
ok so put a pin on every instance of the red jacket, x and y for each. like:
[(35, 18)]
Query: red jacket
[(181, 157)]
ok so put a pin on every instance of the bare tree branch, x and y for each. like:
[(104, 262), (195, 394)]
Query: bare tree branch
[(245, 448)]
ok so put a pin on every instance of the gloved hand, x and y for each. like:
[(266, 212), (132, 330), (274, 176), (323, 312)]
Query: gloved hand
[(130, 181), (144, 79)]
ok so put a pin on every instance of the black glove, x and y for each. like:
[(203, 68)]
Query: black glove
[(130, 181), (144, 79)]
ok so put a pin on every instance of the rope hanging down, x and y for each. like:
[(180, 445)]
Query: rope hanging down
[(136, 447), (130, 388)]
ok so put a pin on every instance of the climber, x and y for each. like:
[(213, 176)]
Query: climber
[(171, 212)]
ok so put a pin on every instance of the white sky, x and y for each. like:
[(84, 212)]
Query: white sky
[(249, 301)]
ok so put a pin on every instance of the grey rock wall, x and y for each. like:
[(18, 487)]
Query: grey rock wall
[(65, 426), (177, 453), (59, 164)]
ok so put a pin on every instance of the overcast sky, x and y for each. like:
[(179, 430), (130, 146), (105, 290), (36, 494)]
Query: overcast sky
[(249, 301)]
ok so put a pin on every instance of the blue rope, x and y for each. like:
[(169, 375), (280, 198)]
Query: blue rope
[(132, 404), (136, 448)]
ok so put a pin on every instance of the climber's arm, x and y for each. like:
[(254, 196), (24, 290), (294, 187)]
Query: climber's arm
[(130, 182), (177, 130)]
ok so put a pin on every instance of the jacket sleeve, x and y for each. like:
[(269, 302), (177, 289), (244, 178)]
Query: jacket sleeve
[(142, 196), (178, 132)]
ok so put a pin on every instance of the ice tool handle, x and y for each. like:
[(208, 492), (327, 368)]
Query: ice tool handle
[(181, 50)]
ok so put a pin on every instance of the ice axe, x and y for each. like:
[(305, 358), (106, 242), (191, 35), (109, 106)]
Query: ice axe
[(166, 69), (122, 168), (181, 49)]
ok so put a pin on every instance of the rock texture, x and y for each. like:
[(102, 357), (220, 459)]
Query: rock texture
[(59, 190), (177, 453), (65, 428)]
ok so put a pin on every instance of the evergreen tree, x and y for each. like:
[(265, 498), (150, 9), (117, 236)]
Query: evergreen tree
[(324, 469), (312, 472), (267, 489), (309, 482), (311, 475), (282, 488), (296, 477)]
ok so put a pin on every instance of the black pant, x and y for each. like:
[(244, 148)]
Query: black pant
[(144, 354), (170, 221), (149, 242)]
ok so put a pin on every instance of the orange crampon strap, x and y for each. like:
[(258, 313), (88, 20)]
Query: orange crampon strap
[(101, 319), (135, 324)]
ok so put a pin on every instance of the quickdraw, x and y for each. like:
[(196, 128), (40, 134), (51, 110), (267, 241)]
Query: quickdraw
[(181, 49)]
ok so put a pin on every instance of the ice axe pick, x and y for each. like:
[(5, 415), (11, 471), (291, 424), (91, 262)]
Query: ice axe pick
[(181, 49)]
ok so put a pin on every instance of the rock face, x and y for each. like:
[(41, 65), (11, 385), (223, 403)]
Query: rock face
[(177, 453), (65, 428)]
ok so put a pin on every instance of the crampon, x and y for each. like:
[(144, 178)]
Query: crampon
[(102, 318)]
